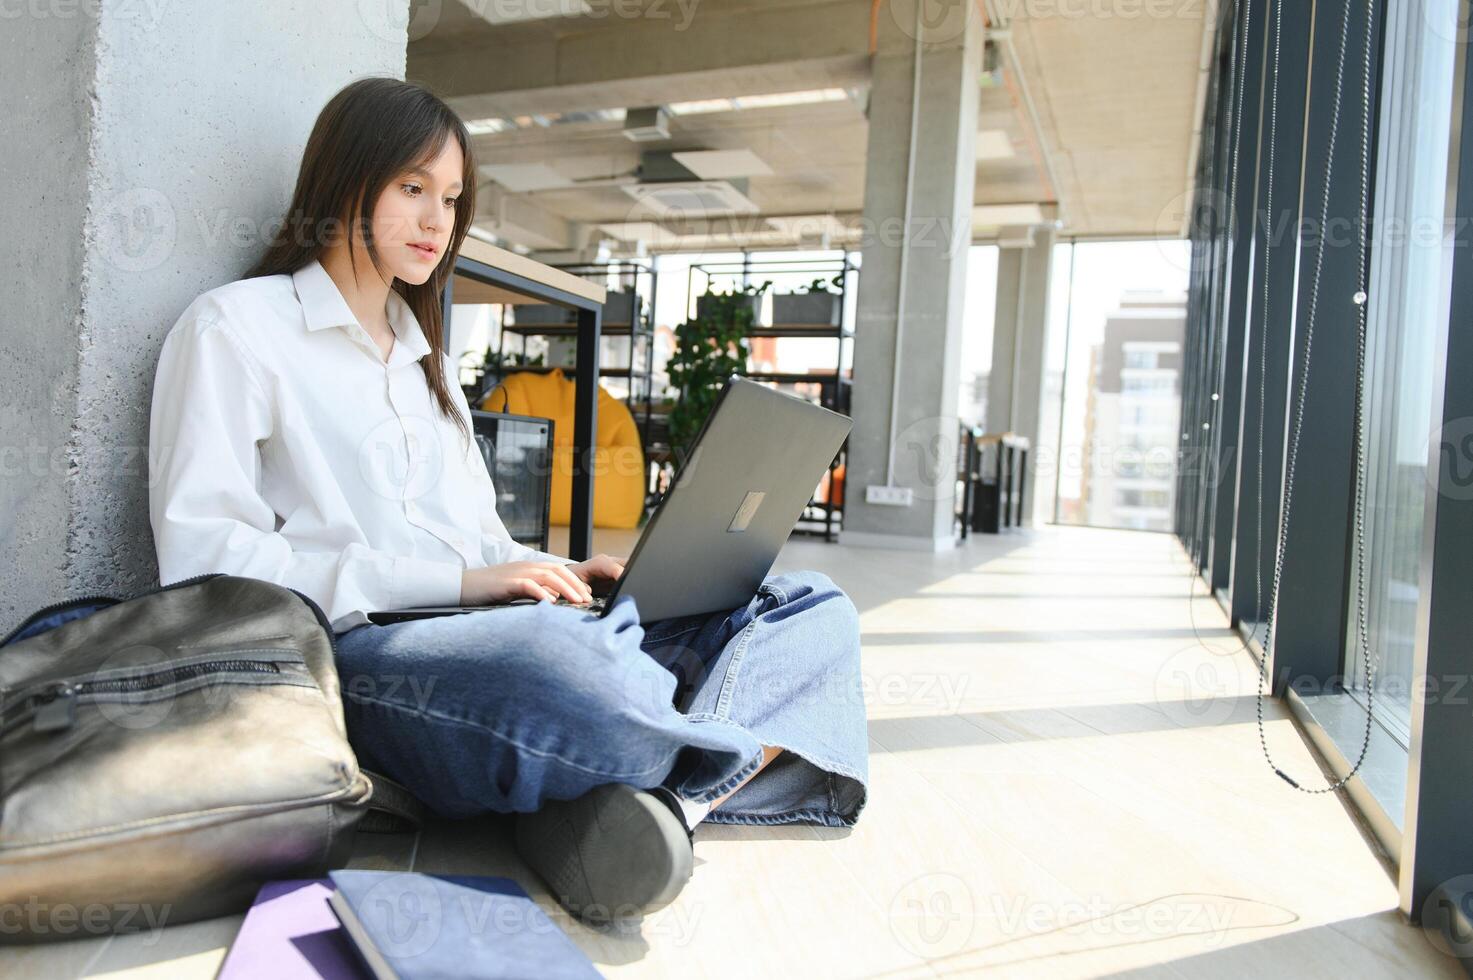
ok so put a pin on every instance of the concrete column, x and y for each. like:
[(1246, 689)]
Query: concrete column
[(155, 146), (931, 254), (1015, 388)]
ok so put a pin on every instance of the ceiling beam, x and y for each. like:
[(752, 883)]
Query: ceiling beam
[(722, 51)]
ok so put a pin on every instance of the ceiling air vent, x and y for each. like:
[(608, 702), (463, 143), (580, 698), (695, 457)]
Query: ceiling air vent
[(692, 199)]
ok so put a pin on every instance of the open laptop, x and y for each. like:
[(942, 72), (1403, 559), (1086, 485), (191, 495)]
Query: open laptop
[(735, 500)]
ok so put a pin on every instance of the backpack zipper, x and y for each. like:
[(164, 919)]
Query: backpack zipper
[(59, 711), (55, 709)]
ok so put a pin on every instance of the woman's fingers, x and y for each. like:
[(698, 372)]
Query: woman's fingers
[(551, 581), (558, 577), (579, 585), (597, 566), (604, 566), (531, 589)]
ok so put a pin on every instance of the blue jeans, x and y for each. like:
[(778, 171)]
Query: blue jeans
[(503, 709)]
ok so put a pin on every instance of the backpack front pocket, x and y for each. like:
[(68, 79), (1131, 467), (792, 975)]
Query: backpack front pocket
[(52, 705)]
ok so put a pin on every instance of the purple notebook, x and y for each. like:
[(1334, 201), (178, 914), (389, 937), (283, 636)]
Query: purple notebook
[(291, 933)]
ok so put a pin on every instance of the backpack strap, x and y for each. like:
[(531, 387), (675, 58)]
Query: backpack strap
[(391, 808)]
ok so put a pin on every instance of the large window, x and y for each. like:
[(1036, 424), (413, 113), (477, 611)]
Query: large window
[(1108, 455), (1387, 130), (1403, 329), (979, 309)]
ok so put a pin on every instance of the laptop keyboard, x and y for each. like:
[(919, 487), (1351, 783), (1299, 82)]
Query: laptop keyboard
[(595, 605)]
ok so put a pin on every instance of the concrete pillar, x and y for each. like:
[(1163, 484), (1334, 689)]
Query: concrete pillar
[(155, 146), (1015, 387), (931, 252)]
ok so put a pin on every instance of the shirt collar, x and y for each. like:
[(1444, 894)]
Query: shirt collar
[(323, 306)]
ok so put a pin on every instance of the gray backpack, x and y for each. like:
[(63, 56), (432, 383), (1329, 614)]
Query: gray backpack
[(162, 757)]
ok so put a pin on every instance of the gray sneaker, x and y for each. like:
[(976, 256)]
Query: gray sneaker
[(614, 853)]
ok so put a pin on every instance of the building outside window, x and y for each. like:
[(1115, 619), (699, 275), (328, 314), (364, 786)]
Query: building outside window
[(1129, 473)]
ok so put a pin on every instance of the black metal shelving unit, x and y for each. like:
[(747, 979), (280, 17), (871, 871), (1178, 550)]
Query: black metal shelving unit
[(638, 324), (821, 517)]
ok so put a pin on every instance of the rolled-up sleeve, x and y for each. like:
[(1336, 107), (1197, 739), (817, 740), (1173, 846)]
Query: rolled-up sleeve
[(209, 415)]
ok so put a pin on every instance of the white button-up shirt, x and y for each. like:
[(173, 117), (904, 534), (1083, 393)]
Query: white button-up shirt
[(283, 446)]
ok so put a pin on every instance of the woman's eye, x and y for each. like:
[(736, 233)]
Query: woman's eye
[(413, 188), (450, 202)]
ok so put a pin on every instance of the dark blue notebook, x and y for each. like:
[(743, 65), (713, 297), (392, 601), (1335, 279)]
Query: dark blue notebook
[(414, 926)]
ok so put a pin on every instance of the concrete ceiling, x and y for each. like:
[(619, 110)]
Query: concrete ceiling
[(1088, 119), (1118, 99)]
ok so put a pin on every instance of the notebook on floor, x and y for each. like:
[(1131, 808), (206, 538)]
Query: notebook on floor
[(411, 926), (290, 933)]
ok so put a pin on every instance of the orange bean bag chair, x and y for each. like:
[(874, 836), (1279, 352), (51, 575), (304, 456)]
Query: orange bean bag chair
[(618, 458)]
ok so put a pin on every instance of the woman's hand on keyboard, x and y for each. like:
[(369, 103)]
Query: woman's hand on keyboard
[(518, 579), (598, 568)]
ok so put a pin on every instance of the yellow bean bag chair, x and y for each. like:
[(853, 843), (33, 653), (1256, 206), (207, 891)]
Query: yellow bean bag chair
[(618, 458)]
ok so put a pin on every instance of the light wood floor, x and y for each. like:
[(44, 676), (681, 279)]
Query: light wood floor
[(1050, 796)]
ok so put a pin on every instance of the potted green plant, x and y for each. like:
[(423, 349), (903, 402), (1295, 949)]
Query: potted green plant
[(498, 362), (819, 304), (708, 350), (711, 303)]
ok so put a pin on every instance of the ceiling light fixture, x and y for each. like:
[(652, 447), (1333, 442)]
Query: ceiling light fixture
[(766, 101)]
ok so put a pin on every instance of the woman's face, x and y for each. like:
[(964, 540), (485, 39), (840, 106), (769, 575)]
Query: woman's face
[(415, 214)]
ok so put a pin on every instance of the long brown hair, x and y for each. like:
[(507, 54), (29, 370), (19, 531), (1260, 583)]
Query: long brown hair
[(368, 134)]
